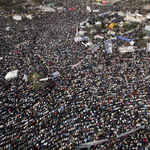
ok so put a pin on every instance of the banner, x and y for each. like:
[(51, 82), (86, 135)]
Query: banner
[(71, 9), (86, 145), (78, 39), (131, 30), (127, 49), (98, 37), (52, 76), (104, 2), (76, 65), (44, 79), (95, 10), (148, 47), (108, 46), (77, 31), (133, 130), (55, 75), (103, 14), (128, 40), (84, 22), (95, 49)]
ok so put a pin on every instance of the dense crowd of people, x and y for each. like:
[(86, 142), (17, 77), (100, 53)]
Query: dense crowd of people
[(103, 97)]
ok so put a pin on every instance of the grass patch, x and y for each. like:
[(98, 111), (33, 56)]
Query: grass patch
[(37, 84)]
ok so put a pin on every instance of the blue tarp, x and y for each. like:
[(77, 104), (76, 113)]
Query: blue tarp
[(128, 40)]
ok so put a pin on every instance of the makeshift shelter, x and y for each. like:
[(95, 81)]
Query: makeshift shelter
[(134, 17), (120, 13), (11, 74), (112, 25)]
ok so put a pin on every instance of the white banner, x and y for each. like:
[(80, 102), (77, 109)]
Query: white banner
[(76, 65), (103, 14), (95, 10), (84, 22), (98, 37), (127, 49), (52, 76), (133, 130), (84, 145), (108, 46), (79, 39)]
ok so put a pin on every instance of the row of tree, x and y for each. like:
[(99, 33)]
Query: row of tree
[(17, 5)]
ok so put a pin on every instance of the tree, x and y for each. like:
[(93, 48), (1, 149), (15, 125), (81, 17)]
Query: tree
[(6, 5), (140, 35), (102, 26), (37, 1), (19, 9)]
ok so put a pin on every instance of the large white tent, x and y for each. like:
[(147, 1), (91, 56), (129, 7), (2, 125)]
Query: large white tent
[(11, 74)]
